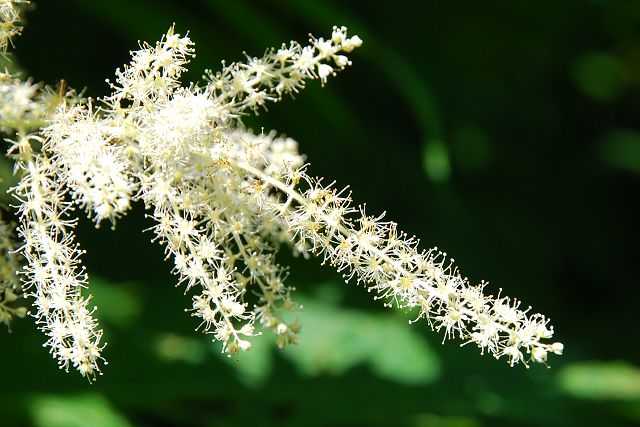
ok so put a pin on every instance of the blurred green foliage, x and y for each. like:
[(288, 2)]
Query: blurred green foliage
[(507, 133), (600, 75), (337, 339), (601, 380), (620, 149), (75, 411)]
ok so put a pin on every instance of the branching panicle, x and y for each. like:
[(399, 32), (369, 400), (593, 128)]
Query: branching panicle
[(224, 200)]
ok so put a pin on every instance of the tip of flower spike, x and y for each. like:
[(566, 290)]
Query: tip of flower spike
[(351, 43), (557, 348), (248, 86)]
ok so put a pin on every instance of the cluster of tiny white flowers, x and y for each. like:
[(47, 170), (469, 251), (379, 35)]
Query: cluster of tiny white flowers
[(224, 200), (9, 21), (50, 268), (169, 146), (389, 262), (251, 84), (25, 106), (52, 271), (93, 168)]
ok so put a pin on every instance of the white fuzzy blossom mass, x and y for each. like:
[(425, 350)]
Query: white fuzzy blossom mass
[(224, 200), (9, 21)]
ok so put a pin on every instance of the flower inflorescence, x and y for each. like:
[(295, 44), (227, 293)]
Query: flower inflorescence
[(10, 19), (223, 200)]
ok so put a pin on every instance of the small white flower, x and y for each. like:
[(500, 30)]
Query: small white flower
[(539, 354), (324, 71)]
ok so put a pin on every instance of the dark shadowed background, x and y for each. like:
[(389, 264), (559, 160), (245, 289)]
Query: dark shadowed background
[(506, 133)]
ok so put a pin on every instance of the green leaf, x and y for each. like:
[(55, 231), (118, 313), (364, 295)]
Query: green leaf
[(471, 149), (117, 302), (400, 355), (75, 411), (620, 148), (435, 160), (433, 420), (599, 75), (601, 380), (334, 340), (173, 348), (252, 367)]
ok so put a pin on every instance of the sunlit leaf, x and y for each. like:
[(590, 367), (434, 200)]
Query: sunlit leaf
[(117, 303), (436, 161), (399, 354), (252, 367), (433, 420), (601, 380), (172, 348), (335, 339), (75, 411)]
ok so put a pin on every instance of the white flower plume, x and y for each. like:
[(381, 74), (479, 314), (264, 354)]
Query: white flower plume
[(224, 201)]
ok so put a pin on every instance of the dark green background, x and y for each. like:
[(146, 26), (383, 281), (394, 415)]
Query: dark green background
[(506, 133)]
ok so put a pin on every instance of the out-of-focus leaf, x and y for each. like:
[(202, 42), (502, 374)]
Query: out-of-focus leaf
[(116, 302), (253, 367), (601, 380), (620, 148), (8, 63), (334, 340), (599, 75), (471, 149), (433, 420), (172, 348), (436, 161), (75, 411), (7, 180), (401, 355)]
